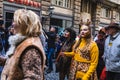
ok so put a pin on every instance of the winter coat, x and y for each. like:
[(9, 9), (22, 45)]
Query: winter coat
[(112, 53), (27, 62)]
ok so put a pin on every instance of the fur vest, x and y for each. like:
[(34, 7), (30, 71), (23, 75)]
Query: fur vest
[(11, 65)]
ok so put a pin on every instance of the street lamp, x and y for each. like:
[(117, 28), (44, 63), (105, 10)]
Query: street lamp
[(50, 12), (48, 15)]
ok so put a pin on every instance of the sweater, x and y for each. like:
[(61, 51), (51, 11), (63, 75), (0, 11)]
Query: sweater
[(93, 61), (14, 70)]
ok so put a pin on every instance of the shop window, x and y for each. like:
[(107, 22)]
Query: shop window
[(58, 23), (8, 19), (69, 23), (61, 23)]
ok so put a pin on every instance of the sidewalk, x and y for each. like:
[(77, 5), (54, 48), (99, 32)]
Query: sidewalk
[(53, 75)]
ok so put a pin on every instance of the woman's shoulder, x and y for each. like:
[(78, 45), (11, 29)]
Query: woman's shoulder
[(93, 44), (32, 51)]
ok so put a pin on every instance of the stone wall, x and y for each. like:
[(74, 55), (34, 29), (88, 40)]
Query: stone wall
[(45, 14), (1, 9), (98, 12), (76, 14)]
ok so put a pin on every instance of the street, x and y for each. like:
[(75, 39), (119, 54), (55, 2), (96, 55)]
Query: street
[(53, 75)]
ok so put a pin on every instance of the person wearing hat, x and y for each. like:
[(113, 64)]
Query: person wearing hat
[(112, 52)]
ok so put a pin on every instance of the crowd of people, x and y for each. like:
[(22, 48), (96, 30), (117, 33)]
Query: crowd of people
[(26, 49)]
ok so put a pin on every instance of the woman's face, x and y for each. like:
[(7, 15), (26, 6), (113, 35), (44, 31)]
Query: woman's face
[(66, 33), (84, 31), (16, 28)]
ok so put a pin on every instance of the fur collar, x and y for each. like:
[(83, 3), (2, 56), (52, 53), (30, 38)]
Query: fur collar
[(14, 40)]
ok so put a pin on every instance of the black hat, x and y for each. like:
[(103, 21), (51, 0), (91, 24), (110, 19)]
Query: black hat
[(114, 25), (1, 22)]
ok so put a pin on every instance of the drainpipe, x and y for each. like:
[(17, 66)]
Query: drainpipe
[(73, 13)]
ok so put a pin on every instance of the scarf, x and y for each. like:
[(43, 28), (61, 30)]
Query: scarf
[(14, 40)]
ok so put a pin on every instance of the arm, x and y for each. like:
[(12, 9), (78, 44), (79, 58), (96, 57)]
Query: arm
[(2, 60), (31, 65), (72, 53), (94, 61), (69, 53), (51, 35)]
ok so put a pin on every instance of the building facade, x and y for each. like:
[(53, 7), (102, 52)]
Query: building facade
[(7, 8), (100, 13), (60, 16), (65, 13), (109, 12)]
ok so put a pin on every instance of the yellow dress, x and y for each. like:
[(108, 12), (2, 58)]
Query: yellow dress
[(93, 61)]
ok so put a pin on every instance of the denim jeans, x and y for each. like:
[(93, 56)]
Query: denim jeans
[(49, 57)]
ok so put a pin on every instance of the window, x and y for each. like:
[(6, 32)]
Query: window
[(66, 23), (69, 24), (8, 19), (103, 10), (86, 6), (63, 3), (38, 0), (106, 12), (117, 16)]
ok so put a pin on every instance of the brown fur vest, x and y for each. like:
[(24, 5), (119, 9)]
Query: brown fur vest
[(11, 65)]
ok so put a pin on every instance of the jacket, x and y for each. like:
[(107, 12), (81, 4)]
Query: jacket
[(112, 53), (12, 69)]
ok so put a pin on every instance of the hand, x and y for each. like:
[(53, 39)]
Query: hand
[(84, 78), (59, 55), (2, 61), (62, 53)]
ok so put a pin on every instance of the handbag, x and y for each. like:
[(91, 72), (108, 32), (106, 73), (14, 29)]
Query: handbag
[(58, 62), (103, 74), (75, 67)]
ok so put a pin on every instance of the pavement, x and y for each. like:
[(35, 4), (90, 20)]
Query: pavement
[(53, 75)]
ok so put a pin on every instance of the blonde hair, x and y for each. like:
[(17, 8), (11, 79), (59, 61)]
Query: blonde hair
[(28, 22)]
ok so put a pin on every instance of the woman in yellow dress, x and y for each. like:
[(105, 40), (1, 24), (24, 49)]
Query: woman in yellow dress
[(85, 57)]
